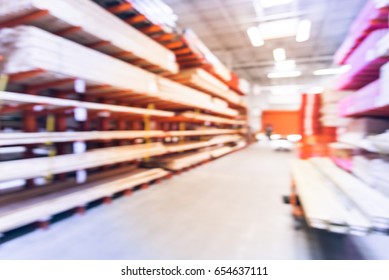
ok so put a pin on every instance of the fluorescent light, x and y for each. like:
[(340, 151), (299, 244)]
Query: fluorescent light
[(303, 30), (286, 65), (279, 54), (290, 74), (279, 28), (332, 71), (272, 3), (255, 36)]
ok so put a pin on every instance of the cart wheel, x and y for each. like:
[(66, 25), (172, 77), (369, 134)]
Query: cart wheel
[(286, 199)]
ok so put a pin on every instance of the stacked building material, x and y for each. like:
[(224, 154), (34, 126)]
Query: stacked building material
[(373, 17), (92, 25), (154, 11), (365, 63), (329, 111)]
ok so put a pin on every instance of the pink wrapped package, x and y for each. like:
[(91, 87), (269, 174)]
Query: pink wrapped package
[(365, 63), (362, 101), (370, 19)]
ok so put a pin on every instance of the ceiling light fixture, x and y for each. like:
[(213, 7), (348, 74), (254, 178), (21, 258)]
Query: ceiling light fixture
[(286, 65), (332, 71), (279, 54), (255, 36), (272, 3), (303, 30), (291, 74), (276, 29)]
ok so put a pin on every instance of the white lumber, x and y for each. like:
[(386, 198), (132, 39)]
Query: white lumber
[(371, 202), (209, 118), (199, 78), (96, 23), (323, 207), (173, 148), (193, 97), (45, 209), (27, 48), (25, 138), (41, 167), (21, 98), (178, 162), (219, 152)]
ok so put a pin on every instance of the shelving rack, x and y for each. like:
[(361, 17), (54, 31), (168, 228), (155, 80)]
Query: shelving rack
[(328, 191), (68, 130)]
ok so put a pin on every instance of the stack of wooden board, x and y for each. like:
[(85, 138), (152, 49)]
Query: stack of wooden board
[(373, 204), (181, 161), (155, 12), (324, 207), (212, 119), (12, 99), (47, 206), (174, 148), (219, 152), (202, 80), (29, 48), (193, 97), (41, 167), (25, 138), (93, 26)]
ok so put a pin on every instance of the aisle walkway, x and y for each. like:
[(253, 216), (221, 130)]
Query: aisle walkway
[(228, 209)]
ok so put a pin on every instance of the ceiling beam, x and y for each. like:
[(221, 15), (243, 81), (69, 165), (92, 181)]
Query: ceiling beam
[(303, 60)]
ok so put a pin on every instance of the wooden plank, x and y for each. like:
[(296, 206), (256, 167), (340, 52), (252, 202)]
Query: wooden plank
[(46, 208), (40, 167), (12, 97), (372, 203), (323, 207), (96, 25)]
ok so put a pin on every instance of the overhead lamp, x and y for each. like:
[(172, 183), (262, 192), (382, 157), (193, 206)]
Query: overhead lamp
[(272, 3), (303, 30), (255, 36), (286, 65), (279, 54), (276, 29), (332, 71), (289, 74)]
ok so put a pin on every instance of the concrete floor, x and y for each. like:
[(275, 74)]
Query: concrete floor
[(228, 209)]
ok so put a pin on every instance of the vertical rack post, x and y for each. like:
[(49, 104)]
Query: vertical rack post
[(147, 126)]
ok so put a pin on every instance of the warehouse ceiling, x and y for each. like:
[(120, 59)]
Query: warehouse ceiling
[(223, 24)]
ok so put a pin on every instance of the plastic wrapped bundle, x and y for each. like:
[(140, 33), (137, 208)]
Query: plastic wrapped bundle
[(365, 62)]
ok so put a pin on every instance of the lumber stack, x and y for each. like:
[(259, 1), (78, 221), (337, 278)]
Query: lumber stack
[(24, 51), (27, 48), (330, 110), (47, 207), (174, 148), (13, 98), (181, 161), (202, 80), (373, 204), (93, 26), (26, 138), (324, 207), (219, 152), (208, 118), (42, 167), (192, 97), (154, 12)]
